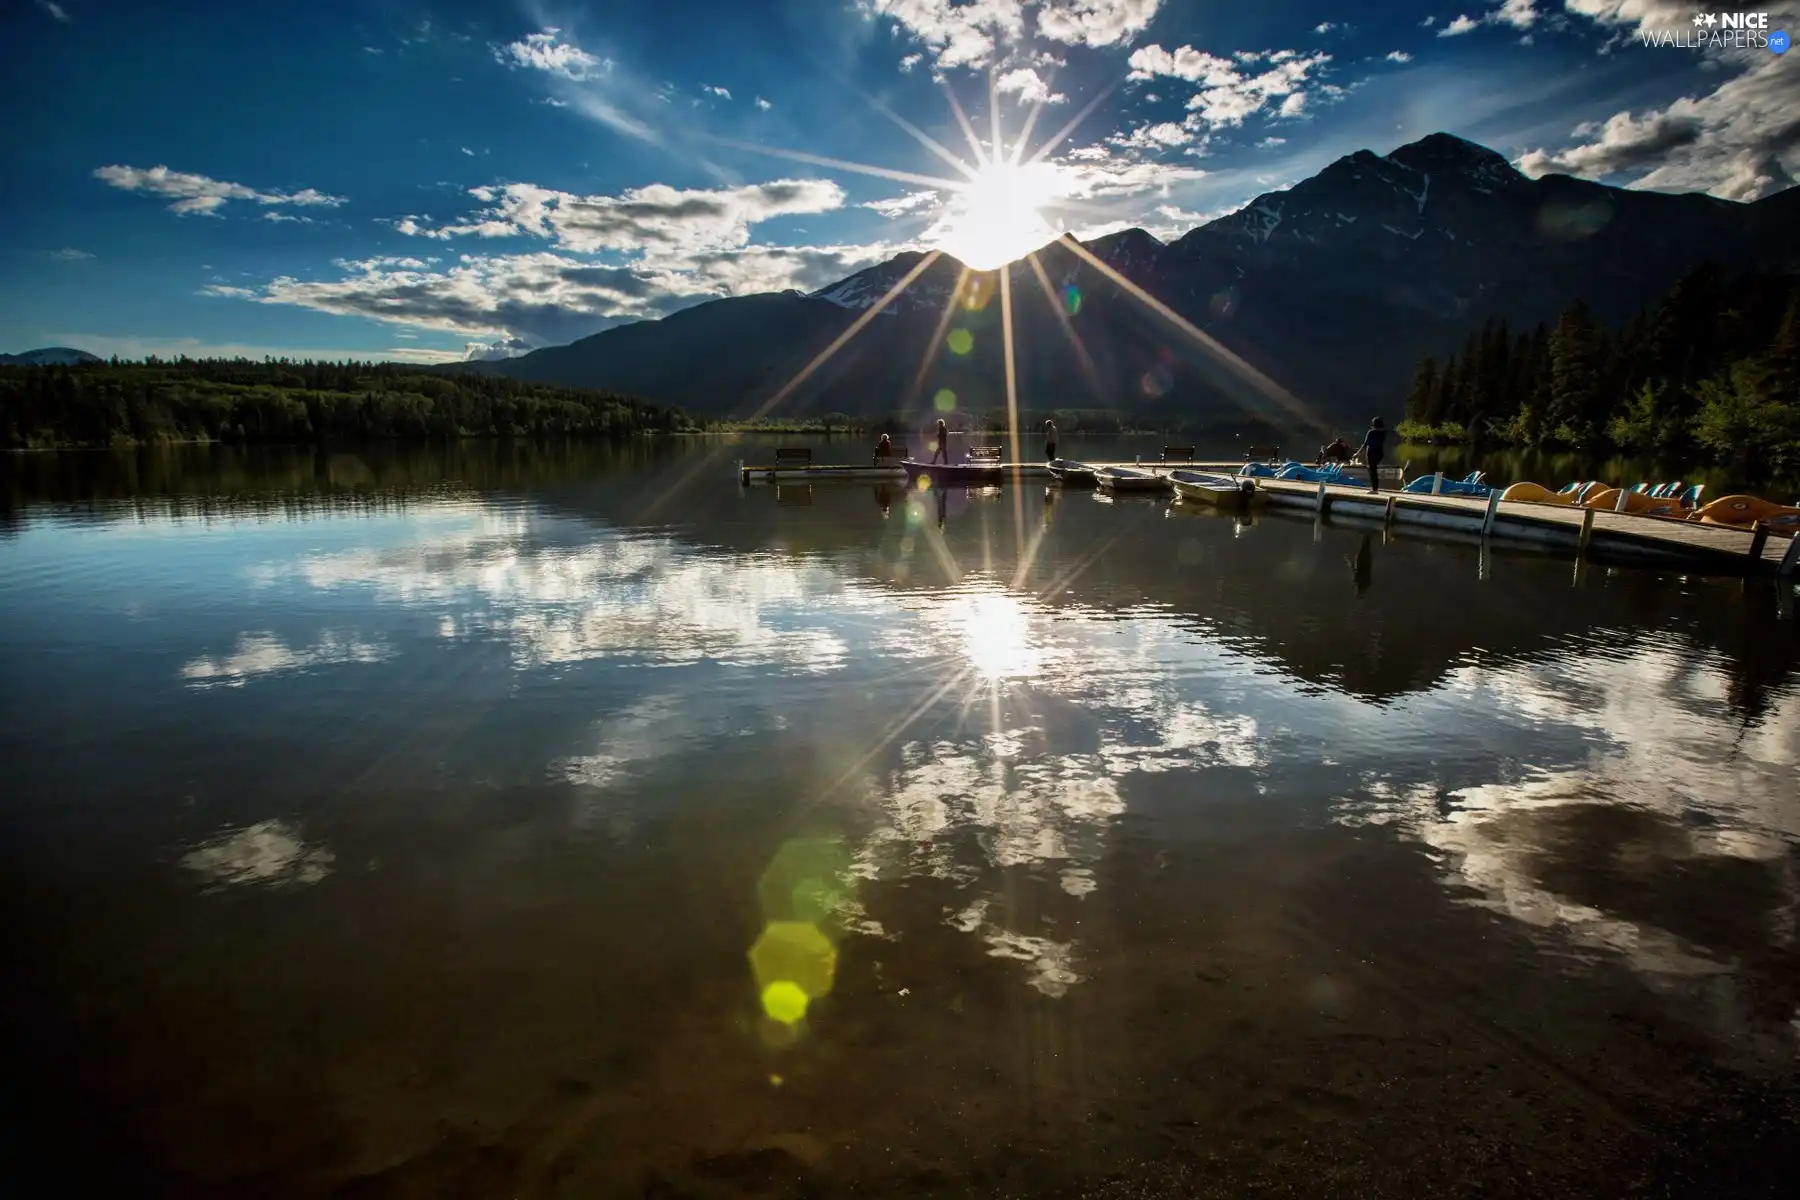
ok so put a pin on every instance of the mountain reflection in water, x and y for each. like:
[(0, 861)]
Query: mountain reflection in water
[(399, 827)]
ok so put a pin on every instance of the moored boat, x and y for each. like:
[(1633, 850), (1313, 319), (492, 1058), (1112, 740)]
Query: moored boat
[(1224, 491), (1070, 473), (964, 474), (1130, 479)]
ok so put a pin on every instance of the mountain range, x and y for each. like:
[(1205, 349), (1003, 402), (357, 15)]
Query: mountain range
[(1329, 290)]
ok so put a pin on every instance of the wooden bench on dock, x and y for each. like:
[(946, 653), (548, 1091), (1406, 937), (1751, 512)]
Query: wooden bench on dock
[(1262, 454), (1178, 454), (792, 458), (984, 454)]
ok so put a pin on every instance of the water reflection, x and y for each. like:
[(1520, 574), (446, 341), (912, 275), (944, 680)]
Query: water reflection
[(686, 832), (259, 654), (268, 854)]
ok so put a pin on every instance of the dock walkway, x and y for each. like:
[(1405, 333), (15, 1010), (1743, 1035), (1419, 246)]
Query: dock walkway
[(1548, 526)]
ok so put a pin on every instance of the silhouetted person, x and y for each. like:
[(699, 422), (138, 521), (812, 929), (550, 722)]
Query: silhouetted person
[(1374, 446), (884, 448), (1336, 451), (943, 442), (1049, 441), (1362, 566)]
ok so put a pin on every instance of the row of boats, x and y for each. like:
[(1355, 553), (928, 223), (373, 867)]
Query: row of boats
[(1671, 501), (1668, 501), (1203, 487)]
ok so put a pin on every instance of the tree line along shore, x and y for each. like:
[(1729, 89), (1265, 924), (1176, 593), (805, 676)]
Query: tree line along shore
[(1708, 375)]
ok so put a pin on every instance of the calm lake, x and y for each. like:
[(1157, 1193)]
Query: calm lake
[(401, 823)]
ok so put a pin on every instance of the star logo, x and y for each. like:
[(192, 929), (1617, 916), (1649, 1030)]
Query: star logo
[(1699, 20), (1711, 20)]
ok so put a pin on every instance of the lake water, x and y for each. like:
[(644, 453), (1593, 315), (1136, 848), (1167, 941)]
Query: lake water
[(401, 824)]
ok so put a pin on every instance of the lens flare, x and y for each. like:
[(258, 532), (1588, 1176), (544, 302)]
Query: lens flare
[(960, 341)]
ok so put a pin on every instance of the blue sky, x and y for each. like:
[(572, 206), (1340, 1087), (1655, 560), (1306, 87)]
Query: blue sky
[(398, 180)]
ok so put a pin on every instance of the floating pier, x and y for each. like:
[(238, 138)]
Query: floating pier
[(1553, 527)]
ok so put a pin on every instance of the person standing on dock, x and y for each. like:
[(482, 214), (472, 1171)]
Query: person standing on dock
[(1049, 441), (943, 443), (884, 449), (1374, 446)]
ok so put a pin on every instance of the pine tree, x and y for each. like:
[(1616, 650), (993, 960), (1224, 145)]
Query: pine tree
[(1422, 396), (1574, 373)]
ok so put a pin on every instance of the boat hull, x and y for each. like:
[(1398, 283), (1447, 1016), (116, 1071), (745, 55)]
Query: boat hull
[(1072, 474), (1217, 490), (1127, 479)]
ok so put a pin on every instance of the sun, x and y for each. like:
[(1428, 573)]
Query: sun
[(997, 215)]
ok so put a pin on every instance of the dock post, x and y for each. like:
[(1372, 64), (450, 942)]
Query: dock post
[(1437, 482), (1493, 509), (1790, 562), (1320, 508), (1387, 516), (1587, 533), (1483, 562), (1758, 540)]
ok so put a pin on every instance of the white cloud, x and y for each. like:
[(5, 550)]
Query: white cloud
[(910, 61), (971, 34), (1230, 91), (56, 10), (1271, 142), (1160, 136), (547, 51), (1094, 22), (1427, 23), (1030, 88), (657, 220), (763, 104), (1399, 56), (371, 50), (1740, 141), (1520, 14), (547, 298), (900, 206), (1098, 176), (199, 194), (958, 35), (1461, 25), (278, 216), (70, 254), (1324, 27), (721, 93), (1634, 14)]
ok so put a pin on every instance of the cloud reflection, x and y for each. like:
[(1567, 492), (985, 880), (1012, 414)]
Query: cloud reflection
[(260, 654), (267, 854)]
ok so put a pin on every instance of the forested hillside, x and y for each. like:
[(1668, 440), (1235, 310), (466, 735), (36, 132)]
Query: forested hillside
[(237, 400), (1711, 373)]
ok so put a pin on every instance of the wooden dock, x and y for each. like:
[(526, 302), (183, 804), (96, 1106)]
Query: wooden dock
[(1551, 527), (1010, 472)]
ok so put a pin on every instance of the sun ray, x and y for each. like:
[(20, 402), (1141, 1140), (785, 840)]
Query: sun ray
[(999, 148), (709, 461), (1088, 370), (968, 127), (1012, 409), (822, 160), (856, 327), (1042, 151), (1031, 120), (919, 135), (1268, 387), (937, 339)]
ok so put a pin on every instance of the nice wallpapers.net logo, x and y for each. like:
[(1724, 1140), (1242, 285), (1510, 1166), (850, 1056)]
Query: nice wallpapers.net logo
[(1721, 31)]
